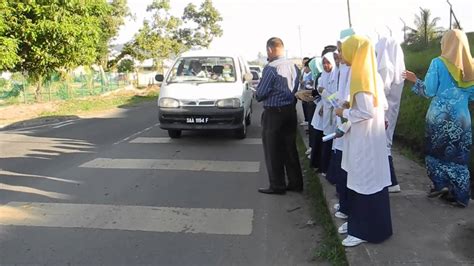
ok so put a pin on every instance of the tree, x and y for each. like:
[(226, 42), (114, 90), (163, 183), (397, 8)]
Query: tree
[(126, 66), (8, 45), (111, 22), (55, 34), (206, 21), (425, 29), (166, 35)]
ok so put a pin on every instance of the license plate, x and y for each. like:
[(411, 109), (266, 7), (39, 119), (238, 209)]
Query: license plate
[(197, 120)]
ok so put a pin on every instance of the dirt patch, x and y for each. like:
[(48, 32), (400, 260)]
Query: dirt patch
[(22, 112), (19, 112)]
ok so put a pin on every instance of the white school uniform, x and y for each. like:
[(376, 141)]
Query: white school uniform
[(390, 66), (365, 156), (342, 96)]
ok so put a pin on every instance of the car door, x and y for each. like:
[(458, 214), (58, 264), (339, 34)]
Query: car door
[(247, 91)]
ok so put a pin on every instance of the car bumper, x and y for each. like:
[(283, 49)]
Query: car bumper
[(216, 118)]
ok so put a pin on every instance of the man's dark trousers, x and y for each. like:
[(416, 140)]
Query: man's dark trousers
[(279, 146)]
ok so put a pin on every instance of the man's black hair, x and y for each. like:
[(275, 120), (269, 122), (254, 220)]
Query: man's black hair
[(275, 42), (328, 49)]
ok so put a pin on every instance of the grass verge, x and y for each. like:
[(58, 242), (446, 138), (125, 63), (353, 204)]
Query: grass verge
[(98, 103), (409, 152), (330, 248)]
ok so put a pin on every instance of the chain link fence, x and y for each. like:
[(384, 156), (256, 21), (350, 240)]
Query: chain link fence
[(16, 88)]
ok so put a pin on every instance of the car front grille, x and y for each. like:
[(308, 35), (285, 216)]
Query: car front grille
[(197, 103)]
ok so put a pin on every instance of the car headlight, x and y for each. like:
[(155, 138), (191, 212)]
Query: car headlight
[(228, 103), (168, 103)]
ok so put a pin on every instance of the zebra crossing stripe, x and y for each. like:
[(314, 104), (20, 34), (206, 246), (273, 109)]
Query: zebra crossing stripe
[(123, 217), (148, 140), (185, 165)]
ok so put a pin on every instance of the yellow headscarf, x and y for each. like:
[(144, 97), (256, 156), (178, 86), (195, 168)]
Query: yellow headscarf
[(359, 52), (457, 57)]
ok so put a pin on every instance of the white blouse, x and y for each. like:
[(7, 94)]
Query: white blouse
[(365, 156)]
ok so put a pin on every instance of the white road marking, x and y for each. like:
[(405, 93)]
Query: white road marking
[(40, 126), (29, 190), (135, 134), (9, 173), (148, 140), (185, 165), (134, 218), (63, 125)]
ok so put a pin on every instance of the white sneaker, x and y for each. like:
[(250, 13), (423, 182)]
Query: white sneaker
[(309, 156), (336, 206), (394, 189), (323, 174), (342, 229), (341, 215), (304, 123), (308, 151), (352, 241)]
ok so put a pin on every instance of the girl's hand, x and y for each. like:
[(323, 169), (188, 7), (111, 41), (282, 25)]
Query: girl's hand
[(410, 76), (339, 111)]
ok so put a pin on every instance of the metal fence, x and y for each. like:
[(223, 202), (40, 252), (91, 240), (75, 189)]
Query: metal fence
[(15, 88)]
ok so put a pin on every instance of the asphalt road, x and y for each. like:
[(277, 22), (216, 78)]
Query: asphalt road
[(116, 190)]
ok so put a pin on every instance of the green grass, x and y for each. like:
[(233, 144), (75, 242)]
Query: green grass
[(410, 153), (330, 248), (97, 103)]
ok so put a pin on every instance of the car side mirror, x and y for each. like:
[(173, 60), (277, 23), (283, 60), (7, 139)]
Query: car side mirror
[(248, 77), (255, 75), (159, 77)]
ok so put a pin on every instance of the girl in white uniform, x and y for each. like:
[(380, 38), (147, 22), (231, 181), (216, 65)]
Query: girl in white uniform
[(365, 156), (391, 64)]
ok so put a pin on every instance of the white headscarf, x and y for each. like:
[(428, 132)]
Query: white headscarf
[(330, 57), (326, 76), (390, 58)]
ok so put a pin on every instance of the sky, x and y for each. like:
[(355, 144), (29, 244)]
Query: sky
[(306, 26)]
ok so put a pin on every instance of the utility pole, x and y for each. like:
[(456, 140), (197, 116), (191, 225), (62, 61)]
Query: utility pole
[(451, 15), (301, 45), (349, 13), (404, 30)]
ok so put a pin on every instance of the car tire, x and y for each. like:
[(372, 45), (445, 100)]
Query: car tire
[(241, 133), (248, 119), (174, 134)]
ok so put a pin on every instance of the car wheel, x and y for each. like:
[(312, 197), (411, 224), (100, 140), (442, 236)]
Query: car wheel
[(241, 133), (174, 134), (248, 119)]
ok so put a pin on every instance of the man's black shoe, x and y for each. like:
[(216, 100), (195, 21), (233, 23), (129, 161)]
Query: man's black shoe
[(271, 191), (297, 189)]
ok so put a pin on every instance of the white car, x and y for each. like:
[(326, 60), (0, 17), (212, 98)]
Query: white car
[(256, 69), (206, 90)]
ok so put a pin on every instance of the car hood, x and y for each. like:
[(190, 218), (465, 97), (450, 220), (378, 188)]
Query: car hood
[(196, 91)]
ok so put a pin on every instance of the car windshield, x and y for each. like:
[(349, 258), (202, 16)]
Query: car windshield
[(203, 70)]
